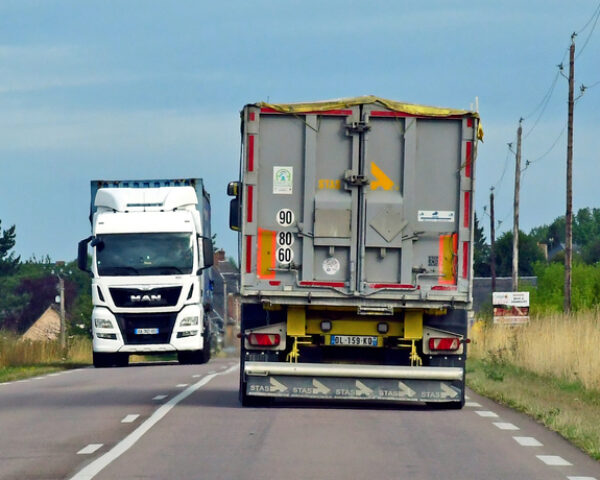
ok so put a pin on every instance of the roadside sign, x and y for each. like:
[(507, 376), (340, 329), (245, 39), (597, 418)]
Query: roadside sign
[(511, 308)]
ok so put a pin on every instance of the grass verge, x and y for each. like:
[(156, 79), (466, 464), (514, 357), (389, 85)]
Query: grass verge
[(563, 406), (22, 372)]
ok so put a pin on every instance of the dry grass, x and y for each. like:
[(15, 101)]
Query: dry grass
[(547, 369), (565, 347), (14, 352)]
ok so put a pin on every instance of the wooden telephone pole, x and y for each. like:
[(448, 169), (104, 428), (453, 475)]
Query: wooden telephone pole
[(515, 259), (492, 241), (569, 213)]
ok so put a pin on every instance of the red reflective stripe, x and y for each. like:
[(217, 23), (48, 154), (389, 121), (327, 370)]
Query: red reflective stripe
[(393, 285), (249, 202), (248, 253), (324, 112), (444, 287), (385, 113), (322, 284), (250, 153), (468, 159), (467, 213), (465, 268), (469, 122), (251, 116)]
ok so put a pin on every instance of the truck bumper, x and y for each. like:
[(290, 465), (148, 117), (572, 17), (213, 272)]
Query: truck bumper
[(353, 382)]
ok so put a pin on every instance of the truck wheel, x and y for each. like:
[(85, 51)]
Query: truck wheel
[(101, 360)]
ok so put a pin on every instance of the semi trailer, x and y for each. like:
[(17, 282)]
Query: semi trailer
[(151, 286), (355, 222)]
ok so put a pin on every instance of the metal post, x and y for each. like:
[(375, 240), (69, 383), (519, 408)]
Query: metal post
[(63, 326), (492, 242)]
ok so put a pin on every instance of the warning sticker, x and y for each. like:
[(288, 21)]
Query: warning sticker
[(283, 180), (435, 216), (331, 266)]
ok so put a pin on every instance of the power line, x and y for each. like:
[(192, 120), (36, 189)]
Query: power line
[(544, 103), (499, 182), (590, 20), (529, 162), (596, 14)]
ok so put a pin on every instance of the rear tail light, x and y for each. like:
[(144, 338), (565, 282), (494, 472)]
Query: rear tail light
[(447, 344), (264, 339)]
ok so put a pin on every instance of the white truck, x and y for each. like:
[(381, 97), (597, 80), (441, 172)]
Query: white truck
[(151, 253)]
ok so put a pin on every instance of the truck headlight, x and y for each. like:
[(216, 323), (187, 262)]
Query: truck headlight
[(189, 321), (103, 323)]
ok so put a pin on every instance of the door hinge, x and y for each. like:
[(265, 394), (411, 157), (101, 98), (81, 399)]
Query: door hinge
[(353, 128), (355, 179)]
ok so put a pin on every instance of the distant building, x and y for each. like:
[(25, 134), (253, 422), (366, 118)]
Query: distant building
[(226, 296), (46, 327)]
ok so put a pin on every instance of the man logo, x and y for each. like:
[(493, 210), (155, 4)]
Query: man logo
[(145, 298)]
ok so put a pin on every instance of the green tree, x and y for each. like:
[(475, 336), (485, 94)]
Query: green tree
[(481, 252), (529, 254), (9, 263)]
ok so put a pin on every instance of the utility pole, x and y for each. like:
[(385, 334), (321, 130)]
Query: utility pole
[(492, 241), (63, 326), (569, 213), (515, 259)]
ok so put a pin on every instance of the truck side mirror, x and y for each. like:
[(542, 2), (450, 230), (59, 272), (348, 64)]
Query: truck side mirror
[(207, 252), (234, 189), (82, 257)]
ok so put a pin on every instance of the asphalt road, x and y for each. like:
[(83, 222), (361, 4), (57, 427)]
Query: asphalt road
[(167, 421)]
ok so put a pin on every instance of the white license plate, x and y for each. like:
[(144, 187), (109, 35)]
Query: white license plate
[(354, 340), (146, 331)]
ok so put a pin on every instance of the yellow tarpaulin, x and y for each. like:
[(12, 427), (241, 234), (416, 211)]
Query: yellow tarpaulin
[(409, 108)]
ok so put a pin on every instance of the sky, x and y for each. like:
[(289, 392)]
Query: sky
[(107, 89)]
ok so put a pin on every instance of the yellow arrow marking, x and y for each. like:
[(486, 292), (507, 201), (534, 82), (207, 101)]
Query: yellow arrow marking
[(382, 180)]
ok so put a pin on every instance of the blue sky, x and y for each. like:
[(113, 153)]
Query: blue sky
[(149, 89)]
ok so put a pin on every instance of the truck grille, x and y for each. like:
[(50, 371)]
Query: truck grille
[(129, 323), (136, 298)]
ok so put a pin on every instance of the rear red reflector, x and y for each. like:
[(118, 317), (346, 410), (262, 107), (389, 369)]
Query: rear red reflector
[(274, 283), (444, 287), (264, 339), (399, 286), (447, 344)]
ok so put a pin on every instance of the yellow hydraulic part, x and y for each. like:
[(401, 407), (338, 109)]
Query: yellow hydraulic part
[(296, 328)]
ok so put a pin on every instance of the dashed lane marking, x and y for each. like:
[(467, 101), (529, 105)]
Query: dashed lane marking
[(528, 442), (160, 397), (506, 426), (581, 478), (182, 385), (486, 413), (130, 418), (95, 467), (472, 404), (554, 460), (91, 448), (54, 374)]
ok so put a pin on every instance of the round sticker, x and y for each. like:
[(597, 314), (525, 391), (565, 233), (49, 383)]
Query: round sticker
[(331, 266), (285, 217), (285, 255), (285, 239)]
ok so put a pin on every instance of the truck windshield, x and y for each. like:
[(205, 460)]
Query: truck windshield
[(144, 254)]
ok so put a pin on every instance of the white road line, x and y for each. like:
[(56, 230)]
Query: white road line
[(91, 448), (182, 385), (506, 426), (196, 376), (554, 460), (472, 404), (54, 374), (581, 478), (160, 397), (91, 470), (528, 442), (37, 378), (130, 418), (486, 413), (467, 397)]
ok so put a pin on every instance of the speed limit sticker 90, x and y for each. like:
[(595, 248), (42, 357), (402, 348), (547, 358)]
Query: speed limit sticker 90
[(285, 217)]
